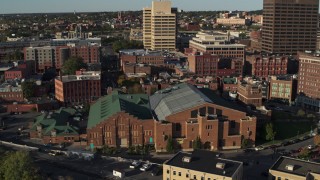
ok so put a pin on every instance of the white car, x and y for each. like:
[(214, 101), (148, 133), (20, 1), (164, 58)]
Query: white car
[(135, 164), (258, 148), (146, 167), (310, 147)]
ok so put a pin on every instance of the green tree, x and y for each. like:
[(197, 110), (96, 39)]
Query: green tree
[(169, 146), (18, 165), (270, 133), (28, 89), (72, 65), (197, 144), (244, 142), (125, 44), (316, 140), (304, 153), (301, 113)]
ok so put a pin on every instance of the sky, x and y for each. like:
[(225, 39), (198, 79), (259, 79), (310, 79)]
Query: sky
[(43, 6)]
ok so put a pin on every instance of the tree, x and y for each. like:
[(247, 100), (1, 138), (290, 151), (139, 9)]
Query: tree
[(316, 140), (28, 89), (304, 153), (197, 144), (301, 113), (72, 65), (125, 44), (270, 133), (169, 146), (18, 165), (244, 142)]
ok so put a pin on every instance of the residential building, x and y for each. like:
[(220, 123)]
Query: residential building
[(233, 21), (11, 91), (283, 87), (55, 127), (136, 34), (89, 54), (289, 26), (159, 26), (203, 64), (294, 169), (201, 164), (77, 89), (250, 92), (22, 71), (265, 66), (132, 68), (44, 57), (120, 120), (308, 83), (216, 43)]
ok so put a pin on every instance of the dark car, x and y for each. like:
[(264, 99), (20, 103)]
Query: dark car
[(249, 150), (285, 143), (156, 171)]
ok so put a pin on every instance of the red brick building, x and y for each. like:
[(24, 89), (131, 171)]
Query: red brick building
[(203, 64), (264, 66), (136, 68), (22, 71), (75, 89), (11, 92), (90, 54), (182, 112), (250, 92)]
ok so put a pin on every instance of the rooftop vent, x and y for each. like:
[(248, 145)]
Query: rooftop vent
[(289, 167), (220, 165), (186, 159)]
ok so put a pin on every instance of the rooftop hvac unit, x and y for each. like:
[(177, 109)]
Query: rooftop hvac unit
[(289, 167), (186, 159), (220, 165)]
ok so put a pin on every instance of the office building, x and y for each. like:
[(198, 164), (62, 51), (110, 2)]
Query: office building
[(294, 169), (159, 26), (202, 165), (85, 87), (308, 82), (289, 26), (216, 43)]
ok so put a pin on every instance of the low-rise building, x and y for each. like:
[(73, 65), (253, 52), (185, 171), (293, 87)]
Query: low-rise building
[(133, 68), (55, 127), (22, 71), (77, 89), (11, 91), (233, 21), (283, 87), (250, 92), (203, 64), (202, 165), (294, 169)]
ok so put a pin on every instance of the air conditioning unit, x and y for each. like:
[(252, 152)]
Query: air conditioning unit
[(220, 165), (289, 167), (186, 159)]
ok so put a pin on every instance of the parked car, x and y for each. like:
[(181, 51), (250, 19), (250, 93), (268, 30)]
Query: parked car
[(135, 164), (157, 171), (219, 155), (285, 143), (146, 167), (258, 148), (249, 150), (311, 147)]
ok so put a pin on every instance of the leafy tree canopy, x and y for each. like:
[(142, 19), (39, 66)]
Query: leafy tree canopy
[(72, 65)]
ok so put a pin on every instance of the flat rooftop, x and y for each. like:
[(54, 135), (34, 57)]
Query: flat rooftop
[(300, 167), (205, 161), (71, 78)]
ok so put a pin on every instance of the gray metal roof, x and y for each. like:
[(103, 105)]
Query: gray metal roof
[(176, 99)]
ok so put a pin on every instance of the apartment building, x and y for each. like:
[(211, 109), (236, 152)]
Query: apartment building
[(289, 26), (195, 165), (159, 26), (77, 89)]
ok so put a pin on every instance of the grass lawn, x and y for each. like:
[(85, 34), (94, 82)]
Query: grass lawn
[(286, 130)]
